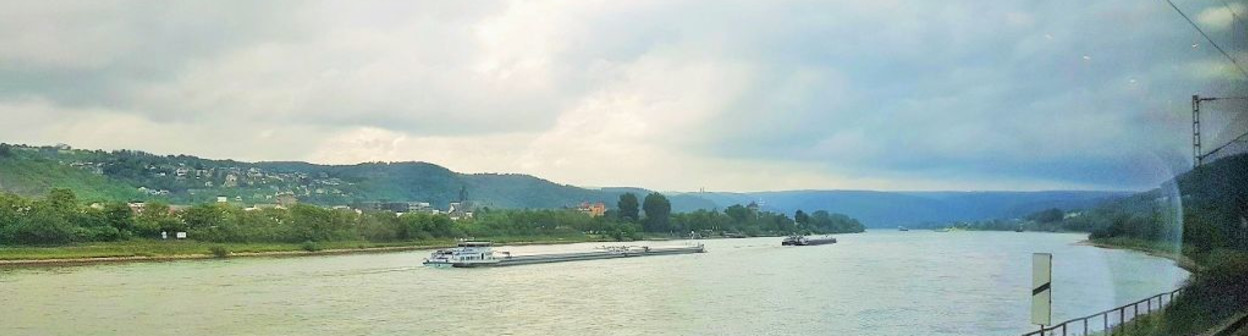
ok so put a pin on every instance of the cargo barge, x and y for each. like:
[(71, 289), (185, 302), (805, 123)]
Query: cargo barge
[(482, 254), (805, 241)]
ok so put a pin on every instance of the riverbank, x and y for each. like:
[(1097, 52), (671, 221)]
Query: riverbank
[(1213, 301), (1157, 249), (147, 250), (144, 250)]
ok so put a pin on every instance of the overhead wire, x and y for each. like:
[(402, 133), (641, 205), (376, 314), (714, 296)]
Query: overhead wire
[(1207, 38)]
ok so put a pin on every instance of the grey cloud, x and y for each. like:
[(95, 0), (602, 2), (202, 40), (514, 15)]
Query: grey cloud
[(977, 95), (878, 89)]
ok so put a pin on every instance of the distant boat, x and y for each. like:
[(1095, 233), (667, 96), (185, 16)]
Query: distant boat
[(940, 230), (902, 228), (1018, 229)]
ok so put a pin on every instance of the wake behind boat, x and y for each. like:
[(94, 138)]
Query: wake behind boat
[(482, 254)]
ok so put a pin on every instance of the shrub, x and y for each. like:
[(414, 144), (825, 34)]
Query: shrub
[(310, 246), (219, 251), (422, 235)]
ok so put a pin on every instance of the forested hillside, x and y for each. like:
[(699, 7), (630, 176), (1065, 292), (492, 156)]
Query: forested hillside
[(1201, 215), (133, 175), (127, 175), (24, 176)]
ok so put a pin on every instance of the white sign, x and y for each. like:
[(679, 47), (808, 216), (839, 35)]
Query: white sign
[(1041, 289), (181, 235)]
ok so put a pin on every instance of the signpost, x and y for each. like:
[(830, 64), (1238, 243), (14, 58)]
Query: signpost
[(1041, 289)]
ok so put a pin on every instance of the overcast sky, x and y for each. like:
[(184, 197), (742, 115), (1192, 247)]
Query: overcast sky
[(668, 95)]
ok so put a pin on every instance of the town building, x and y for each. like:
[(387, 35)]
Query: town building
[(593, 210), (397, 207), (459, 210)]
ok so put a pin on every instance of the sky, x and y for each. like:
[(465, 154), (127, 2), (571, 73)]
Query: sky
[(669, 95)]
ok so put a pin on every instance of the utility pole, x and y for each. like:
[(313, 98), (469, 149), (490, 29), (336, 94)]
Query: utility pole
[(1198, 158)]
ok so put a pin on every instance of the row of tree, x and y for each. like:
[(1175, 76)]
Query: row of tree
[(60, 218), (658, 217)]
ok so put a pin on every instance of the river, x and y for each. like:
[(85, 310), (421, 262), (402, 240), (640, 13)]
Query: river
[(875, 283)]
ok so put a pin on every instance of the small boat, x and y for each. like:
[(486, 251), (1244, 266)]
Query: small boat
[(902, 228), (804, 241)]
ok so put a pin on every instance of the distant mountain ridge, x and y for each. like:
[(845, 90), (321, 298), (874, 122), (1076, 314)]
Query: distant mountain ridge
[(890, 209), (134, 175)]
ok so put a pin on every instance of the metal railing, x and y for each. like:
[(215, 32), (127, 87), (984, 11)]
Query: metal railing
[(1108, 322)]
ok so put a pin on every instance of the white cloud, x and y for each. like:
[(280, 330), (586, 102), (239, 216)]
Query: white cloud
[(1220, 17)]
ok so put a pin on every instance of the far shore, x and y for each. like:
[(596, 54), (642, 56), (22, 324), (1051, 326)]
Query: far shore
[(283, 250), (140, 258), (200, 250), (1179, 259)]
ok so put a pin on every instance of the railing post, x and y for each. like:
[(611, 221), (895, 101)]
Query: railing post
[(1122, 316), (1109, 328), (1105, 319)]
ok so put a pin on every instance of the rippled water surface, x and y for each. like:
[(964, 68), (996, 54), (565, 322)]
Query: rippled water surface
[(877, 283)]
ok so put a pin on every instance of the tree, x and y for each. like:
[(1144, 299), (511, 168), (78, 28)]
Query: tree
[(739, 214), (63, 199), (154, 218), (41, 224), (802, 219), (658, 213), (379, 226), (119, 216), (205, 215), (628, 207), (1047, 216)]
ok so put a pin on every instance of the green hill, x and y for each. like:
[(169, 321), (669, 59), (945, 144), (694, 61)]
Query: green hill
[(182, 179), (25, 174), (119, 175)]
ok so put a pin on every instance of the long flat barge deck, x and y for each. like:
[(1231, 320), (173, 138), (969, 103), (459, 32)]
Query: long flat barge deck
[(482, 255), (565, 257)]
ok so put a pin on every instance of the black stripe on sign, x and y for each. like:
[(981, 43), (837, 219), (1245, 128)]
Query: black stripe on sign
[(1040, 289)]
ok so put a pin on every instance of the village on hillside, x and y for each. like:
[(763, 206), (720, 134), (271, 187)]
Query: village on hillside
[(181, 180)]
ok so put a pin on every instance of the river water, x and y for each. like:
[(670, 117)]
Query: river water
[(876, 283)]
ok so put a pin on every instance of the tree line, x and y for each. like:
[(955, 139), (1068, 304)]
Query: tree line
[(60, 218), (736, 219)]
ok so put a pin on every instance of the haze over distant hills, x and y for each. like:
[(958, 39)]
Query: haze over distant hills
[(885, 208), (133, 175)]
